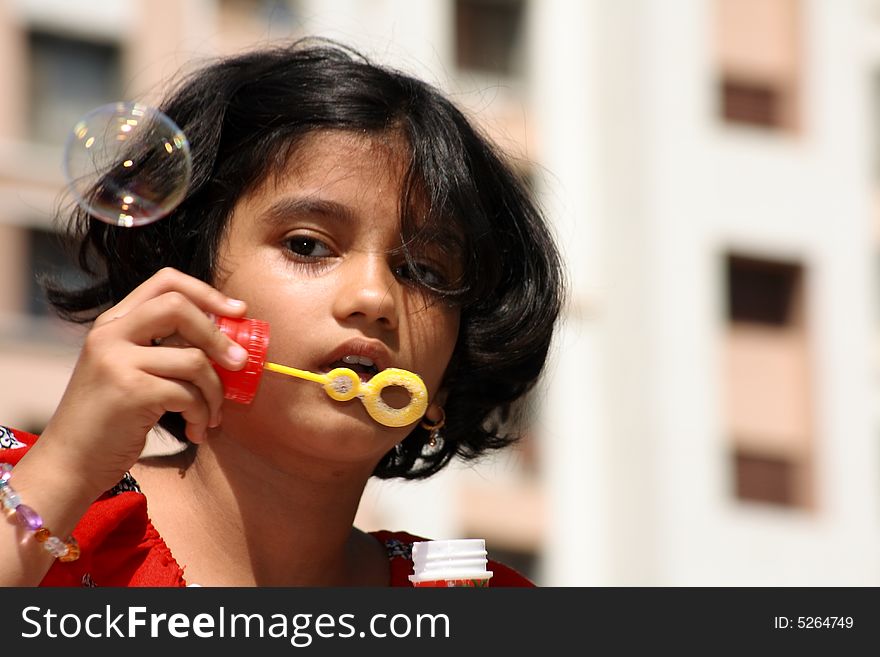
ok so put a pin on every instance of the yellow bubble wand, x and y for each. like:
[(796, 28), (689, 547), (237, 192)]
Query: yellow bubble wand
[(343, 384)]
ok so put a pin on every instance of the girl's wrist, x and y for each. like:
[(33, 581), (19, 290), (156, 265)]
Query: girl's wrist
[(55, 501), (50, 482), (84, 471), (64, 549)]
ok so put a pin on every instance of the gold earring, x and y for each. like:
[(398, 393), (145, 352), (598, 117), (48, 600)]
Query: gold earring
[(434, 437)]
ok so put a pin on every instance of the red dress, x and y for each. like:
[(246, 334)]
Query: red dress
[(120, 547)]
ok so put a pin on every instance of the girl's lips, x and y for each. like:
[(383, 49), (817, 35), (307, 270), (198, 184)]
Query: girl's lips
[(363, 356)]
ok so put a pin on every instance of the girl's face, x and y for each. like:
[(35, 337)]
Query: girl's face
[(315, 251)]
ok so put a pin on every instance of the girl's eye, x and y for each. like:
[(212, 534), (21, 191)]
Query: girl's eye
[(307, 247), (422, 272)]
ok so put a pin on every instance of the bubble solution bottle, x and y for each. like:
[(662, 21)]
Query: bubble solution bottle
[(450, 563)]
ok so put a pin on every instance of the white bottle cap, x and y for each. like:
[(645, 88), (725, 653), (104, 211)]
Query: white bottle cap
[(458, 559)]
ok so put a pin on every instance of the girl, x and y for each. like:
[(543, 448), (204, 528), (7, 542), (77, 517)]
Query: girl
[(357, 211)]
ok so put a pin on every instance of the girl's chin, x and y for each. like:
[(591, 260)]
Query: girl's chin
[(342, 423), (324, 418)]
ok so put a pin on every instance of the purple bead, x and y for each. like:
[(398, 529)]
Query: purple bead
[(29, 518)]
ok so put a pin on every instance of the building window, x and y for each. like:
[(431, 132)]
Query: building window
[(762, 291), (51, 254), (759, 61), (744, 101), (274, 18), (490, 35), (69, 77), (761, 478)]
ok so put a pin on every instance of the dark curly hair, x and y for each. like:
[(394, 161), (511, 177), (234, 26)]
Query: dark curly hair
[(245, 115)]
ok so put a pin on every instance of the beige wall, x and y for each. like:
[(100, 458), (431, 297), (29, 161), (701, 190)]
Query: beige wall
[(768, 391), (36, 375), (758, 38), (13, 77), (13, 268)]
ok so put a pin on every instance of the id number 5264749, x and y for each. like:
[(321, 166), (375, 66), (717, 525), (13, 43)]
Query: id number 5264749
[(813, 622)]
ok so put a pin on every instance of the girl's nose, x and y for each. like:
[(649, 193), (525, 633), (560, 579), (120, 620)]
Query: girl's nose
[(368, 291)]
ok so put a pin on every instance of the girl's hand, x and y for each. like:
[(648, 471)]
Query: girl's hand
[(123, 383)]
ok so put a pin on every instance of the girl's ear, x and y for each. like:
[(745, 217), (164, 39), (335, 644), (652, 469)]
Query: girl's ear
[(434, 411)]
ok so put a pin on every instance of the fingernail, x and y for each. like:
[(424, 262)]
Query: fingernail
[(237, 353), (235, 303)]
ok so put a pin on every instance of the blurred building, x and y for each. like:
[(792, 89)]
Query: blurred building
[(710, 415), (719, 204)]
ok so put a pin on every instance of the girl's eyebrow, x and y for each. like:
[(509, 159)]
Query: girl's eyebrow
[(289, 207)]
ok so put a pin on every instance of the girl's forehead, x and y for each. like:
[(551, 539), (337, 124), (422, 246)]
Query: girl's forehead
[(358, 179), (384, 153), (358, 167), (332, 172)]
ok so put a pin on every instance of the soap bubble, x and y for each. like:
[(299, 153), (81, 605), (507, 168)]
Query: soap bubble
[(127, 164)]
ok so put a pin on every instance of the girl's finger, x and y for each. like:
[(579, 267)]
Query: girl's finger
[(205, 297), (185, 398), (173, 314), (190, 365)]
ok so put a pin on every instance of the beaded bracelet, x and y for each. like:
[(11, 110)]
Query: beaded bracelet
[(66, 550)]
